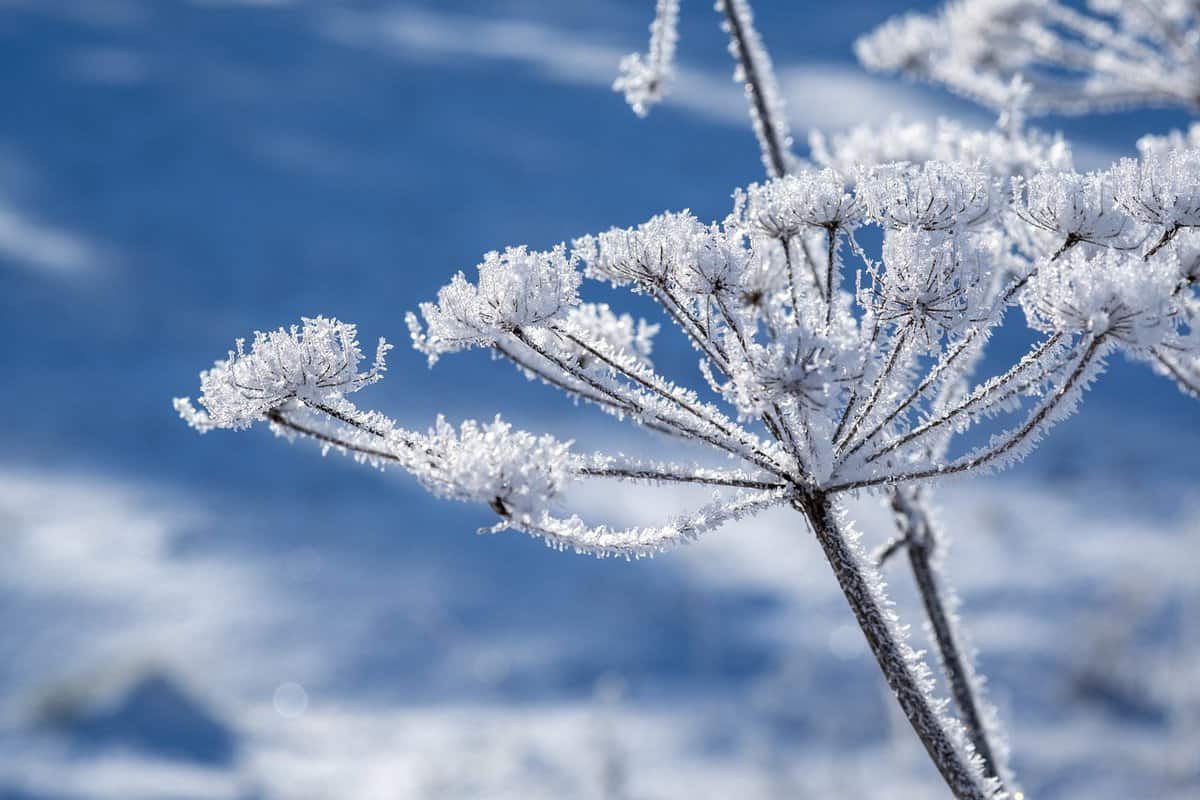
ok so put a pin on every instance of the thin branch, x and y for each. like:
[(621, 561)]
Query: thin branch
[(984, 393), (1189, 383), (868, 405), (831, 234), (659, 476), (1012, 440)]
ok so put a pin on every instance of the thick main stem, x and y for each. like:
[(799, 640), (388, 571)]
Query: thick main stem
[(919, 541), (963, 779)]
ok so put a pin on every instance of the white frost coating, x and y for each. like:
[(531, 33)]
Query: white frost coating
[(597, 322), (785, 206), (757, 75), (645, 81), (573, 533), (316, 362), (932, 196), (1112, 293), (517, 474), (1110, 55), (1003, 153), (1079, 208), (1162, 190), (516, 289)]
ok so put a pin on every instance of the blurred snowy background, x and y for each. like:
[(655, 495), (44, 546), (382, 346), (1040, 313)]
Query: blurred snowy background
[(229, 617)]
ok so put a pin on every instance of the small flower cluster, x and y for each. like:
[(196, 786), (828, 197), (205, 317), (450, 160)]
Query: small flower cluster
[(315, 363), (516, 289)]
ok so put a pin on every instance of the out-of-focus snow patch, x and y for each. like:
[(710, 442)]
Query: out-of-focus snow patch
[(43, 247), (829, 95), (1099, 603), (41, 771), (95, 583)]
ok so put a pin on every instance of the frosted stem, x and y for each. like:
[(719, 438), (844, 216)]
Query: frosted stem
[(755, 72), (919, 540), (890, 653)]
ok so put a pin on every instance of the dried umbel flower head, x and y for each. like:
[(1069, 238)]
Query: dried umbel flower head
[(516, 474), (842, 391), (916, 142), (516, 289), (1078, 208), (934, 196), (1161, 190), (929, 283), (620, 333), (786, 206), (316, 362), (1111, 294), (652, 254)]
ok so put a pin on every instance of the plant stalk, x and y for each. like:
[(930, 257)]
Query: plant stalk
[(920, 541), (959, 774)]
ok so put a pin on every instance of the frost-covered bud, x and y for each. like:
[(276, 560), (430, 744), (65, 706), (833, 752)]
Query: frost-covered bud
[(517, 288), (1161, 190), (641, 82), (1079, 208), (935, 196), (316, 362), (596, 322), (645, 81), (517, 474), (784, 207), (672, 249), (1110, 293), (930, 282)]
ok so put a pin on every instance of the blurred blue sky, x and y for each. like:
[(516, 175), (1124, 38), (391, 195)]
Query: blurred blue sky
[(177, 174)]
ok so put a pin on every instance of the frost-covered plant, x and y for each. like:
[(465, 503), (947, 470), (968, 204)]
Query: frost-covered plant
[(1111, 54), (816, 390)]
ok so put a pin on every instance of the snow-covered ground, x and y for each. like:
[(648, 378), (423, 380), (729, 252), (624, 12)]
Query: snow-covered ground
[(228, 617)]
